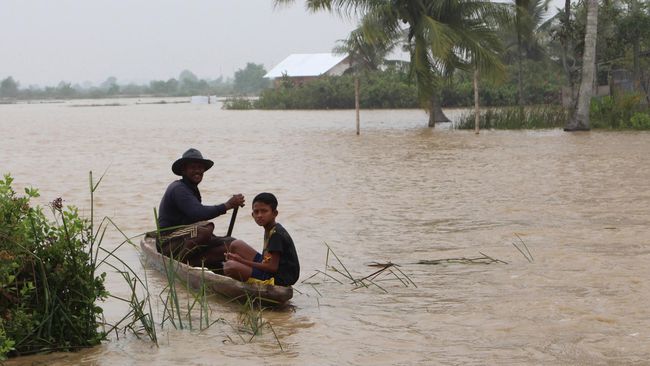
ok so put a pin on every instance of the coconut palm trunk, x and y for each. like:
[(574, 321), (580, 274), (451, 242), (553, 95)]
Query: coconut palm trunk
[(580, 120), (435, 111)]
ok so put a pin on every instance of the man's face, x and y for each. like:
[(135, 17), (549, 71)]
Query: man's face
[(263, 213), (193, 171)]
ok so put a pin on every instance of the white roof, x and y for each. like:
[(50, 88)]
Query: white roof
[(305, 64)]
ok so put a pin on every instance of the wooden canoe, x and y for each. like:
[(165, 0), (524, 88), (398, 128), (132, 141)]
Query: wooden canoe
[(218, 284)]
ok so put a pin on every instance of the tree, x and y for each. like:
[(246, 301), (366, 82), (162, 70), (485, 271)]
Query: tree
[(580, 119), (110, 86), (529, 15), (635, 27), (250, 80), (169, 87), (439, 34), (65, 90), (187, 77), (9, 88)]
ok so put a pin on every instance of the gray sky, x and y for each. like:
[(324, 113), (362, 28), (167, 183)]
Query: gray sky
[(46, 41)]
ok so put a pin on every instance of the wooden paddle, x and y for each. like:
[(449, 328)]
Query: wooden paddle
[(232, 220)]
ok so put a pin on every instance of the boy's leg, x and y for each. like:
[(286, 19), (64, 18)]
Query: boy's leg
[(243, 249), (238, 270)]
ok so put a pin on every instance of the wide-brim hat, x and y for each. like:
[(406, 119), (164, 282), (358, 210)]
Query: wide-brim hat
[(191, 155)]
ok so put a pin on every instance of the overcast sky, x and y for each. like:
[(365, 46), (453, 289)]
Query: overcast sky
[(46, 41), (43, 42)]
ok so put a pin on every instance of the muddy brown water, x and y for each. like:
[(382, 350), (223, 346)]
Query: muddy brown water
[(399, 192)]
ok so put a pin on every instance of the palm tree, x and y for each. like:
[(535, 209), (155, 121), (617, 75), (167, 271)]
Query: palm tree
[(580, 119), (442, 36)]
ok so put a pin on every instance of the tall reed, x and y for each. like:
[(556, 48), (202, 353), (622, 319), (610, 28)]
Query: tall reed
[(512, 118)]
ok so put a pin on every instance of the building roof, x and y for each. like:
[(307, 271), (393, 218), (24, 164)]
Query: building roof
[(305, 64)]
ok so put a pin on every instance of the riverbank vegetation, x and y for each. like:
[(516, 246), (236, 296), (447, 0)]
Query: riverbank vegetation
[(48, 284)]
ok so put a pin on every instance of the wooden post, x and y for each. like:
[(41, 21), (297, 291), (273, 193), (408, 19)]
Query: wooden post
[(356, 100), (477, 108)]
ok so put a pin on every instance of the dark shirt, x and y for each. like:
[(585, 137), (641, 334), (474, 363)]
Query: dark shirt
[(289, 267), (181, 205)]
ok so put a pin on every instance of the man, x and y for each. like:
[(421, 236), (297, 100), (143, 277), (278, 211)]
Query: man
[(185, 233)]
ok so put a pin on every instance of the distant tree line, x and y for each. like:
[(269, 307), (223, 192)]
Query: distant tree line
[(247, 81)]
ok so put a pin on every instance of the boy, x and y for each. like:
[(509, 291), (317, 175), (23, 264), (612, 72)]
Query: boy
[(278, 264)]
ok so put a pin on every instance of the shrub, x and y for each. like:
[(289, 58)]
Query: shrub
[(48, 286), (614, 111), (237, 103), (640, 121)]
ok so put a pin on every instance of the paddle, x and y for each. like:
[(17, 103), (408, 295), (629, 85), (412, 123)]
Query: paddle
[(232, 220)]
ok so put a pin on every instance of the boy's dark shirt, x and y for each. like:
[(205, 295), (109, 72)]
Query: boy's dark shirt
[(289, 267), (181, 205)]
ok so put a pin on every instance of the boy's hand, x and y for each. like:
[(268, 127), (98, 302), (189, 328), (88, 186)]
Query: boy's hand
[(236, 200), (233, 257)]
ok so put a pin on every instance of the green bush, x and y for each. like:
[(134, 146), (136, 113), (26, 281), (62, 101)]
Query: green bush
[(48, 286), (640, 121), (237, 103), (616, 111)]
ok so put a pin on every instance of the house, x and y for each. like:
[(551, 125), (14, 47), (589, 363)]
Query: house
[(308, 66)]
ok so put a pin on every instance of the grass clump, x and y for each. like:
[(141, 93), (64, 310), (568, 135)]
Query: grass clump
[(513, 118)]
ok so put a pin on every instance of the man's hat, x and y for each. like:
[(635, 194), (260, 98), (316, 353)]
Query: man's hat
[(191, 155)]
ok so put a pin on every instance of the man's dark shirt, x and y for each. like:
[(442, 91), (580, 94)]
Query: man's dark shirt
[(181, 205)]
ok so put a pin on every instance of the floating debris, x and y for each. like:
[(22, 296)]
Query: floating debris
[(484, 259)]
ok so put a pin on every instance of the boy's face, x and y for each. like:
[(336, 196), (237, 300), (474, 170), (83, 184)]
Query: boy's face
[(263, 214)]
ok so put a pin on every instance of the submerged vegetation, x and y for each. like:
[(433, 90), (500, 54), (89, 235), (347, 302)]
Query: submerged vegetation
[(622, 111), (538, 117)]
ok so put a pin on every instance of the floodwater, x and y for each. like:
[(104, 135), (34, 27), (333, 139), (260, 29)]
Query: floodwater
[(399, 192)]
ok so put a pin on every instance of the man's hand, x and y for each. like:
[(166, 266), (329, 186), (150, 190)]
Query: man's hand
[(236, 200)]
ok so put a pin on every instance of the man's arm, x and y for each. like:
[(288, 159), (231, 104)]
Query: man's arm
[(193, 209)]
